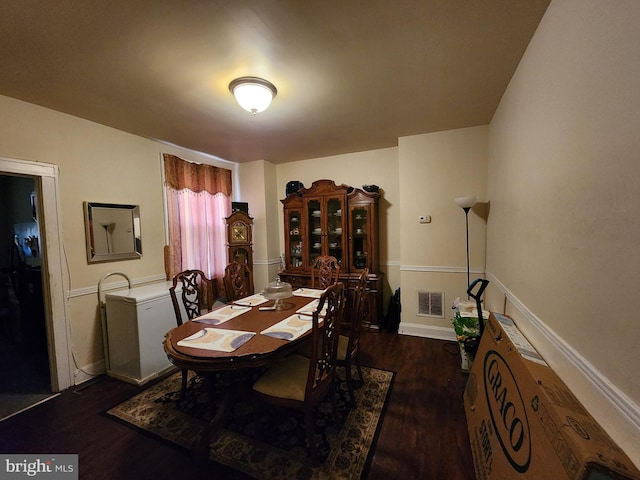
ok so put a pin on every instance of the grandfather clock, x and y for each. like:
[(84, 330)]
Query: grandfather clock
[(239, 246)]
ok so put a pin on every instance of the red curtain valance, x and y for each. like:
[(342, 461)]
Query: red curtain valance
[(180, 174)]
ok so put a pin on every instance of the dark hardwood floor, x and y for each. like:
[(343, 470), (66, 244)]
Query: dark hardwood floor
[(423, 434)]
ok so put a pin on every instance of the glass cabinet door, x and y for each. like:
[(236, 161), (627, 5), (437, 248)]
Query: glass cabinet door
[(325, 228), (334, 238), (294, 253), (314, 221), (360, 244)]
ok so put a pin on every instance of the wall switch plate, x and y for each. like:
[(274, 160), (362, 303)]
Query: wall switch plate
[(424, 218)]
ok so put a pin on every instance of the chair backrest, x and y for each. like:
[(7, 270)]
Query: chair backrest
[(197, 294), (357, 312), (238, 281), (325, 271), (324, 342)]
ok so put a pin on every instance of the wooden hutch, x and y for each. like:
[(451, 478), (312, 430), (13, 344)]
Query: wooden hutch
[(337, 220)]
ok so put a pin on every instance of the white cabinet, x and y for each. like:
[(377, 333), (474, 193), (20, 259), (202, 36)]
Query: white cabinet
[(137, 320)]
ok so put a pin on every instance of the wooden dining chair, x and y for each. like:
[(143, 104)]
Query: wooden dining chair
[(325, 271), (349, 341), (300, 382), (196, 297), (238, 281)]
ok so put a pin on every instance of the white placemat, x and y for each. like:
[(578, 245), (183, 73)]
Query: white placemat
[(311, 307), (252, 301), (217, 339), (290, 328), (221, 315), (308, 292)]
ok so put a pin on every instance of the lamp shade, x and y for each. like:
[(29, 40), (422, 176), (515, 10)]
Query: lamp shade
[(252, 93), (466, 202)]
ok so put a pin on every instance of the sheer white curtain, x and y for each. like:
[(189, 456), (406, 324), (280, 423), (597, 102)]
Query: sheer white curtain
[(202, 232), (198, 200)]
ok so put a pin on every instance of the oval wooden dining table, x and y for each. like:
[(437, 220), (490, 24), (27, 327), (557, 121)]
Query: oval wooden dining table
[(259, 351)]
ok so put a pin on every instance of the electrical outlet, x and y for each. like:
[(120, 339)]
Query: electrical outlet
[(424, 219)]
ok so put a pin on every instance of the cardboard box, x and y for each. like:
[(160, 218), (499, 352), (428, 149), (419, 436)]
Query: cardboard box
[(525, 423)]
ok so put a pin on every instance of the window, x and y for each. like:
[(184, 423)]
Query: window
[(198, 200)]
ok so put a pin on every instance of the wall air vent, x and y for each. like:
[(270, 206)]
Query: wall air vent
[(430, 304)]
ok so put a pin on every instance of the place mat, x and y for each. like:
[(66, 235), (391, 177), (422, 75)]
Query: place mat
[(290, 328), (308, 292), (311, 307), (252, 301), (221, 315), (217, 339)]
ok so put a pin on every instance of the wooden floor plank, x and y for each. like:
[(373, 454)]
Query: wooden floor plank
[(423, 434)]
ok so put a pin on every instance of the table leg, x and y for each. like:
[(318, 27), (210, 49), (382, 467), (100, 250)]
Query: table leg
[(229, 382)]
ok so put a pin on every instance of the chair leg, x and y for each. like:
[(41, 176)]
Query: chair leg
[(347, 372), (361, 379), (183, 390), (258, 412), (308, 420), (334, 403)]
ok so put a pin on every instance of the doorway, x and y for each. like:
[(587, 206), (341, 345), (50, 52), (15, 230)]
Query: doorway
[(25, 376), (52, 279)]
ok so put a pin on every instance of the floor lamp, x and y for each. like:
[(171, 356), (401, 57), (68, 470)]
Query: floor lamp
[(466, 203), (108, 229)]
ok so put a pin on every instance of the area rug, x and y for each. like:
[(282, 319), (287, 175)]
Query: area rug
[(345, 446)]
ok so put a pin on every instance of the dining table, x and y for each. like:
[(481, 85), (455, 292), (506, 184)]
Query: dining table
[(235, 339)]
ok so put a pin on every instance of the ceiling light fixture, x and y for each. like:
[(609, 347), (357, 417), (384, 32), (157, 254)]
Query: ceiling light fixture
[(252, 93)]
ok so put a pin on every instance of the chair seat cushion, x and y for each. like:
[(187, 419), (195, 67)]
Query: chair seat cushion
[(286, 379), (343, 344)]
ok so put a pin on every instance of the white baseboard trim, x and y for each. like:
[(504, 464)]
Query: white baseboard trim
[(141, 381), (93, 290), (629, 409), (88, 372), (272, 261), (427, 331), (440, 269)]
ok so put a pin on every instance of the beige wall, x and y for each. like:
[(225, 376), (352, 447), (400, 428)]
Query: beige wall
[(258, 187), (421, 176), (564, 177), (434, 169), (97, 164)]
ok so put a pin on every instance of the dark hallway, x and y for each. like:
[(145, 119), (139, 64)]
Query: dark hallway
[(24, 370)]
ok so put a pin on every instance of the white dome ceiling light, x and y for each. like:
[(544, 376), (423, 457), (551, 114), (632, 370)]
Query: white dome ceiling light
[(252, 93)]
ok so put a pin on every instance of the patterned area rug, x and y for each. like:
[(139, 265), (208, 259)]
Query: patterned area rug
[(345, 447)]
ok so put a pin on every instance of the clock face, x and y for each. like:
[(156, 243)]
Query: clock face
[(239, 233)]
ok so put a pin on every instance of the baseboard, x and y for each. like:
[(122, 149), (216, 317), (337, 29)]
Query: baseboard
[(427, 331), (124, 377), (88, 372)]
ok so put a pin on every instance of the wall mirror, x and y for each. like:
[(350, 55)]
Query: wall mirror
[(112, 231)]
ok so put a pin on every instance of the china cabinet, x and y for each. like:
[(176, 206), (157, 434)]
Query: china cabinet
[(336, 220)]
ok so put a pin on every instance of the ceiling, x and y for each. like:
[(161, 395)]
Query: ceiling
[(352, 75)]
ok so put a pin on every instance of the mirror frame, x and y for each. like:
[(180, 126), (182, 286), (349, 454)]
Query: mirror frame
[(91, 233)]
